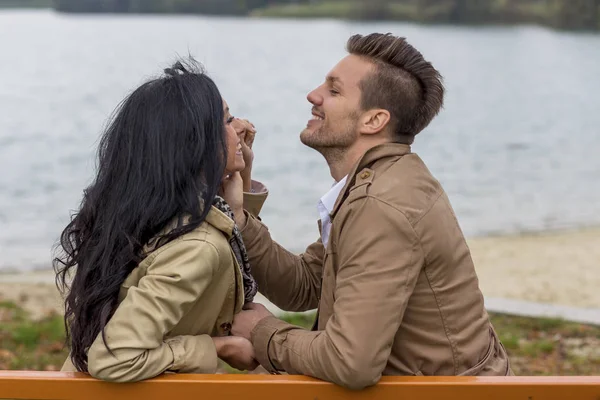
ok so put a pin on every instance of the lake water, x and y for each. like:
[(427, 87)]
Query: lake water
[(516, 146)]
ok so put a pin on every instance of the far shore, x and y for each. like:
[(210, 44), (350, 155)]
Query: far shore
[(560, 268), (563, 15)]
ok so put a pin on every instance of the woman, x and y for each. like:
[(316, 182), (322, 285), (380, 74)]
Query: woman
[(159, 266)]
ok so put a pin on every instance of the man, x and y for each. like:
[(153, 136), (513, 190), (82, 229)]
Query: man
[(391, 275)]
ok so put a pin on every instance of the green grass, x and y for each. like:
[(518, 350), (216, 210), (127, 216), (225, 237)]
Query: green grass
[(510, 341), (303, 320), (326, 9), (29, 344), (498, 12), (536, 346)]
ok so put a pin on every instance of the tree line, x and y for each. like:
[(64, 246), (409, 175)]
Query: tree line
[(567, 14), (223, 7)]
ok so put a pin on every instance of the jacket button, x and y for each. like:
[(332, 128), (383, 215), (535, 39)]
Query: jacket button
[(365, 175), (226, 326)]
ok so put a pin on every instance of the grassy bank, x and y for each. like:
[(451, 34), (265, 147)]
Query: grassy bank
[(318, 10), (338, 10), (29, 344), (573, 14), (537, 346)]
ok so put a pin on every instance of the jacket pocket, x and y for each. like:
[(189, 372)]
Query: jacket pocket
[(509, 371), (485, 360)]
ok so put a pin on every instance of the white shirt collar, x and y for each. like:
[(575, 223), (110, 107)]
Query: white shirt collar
[(325, 208), (329, 198)]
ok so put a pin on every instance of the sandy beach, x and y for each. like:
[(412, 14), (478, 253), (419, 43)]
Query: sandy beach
[(557, 267), (561, 268)]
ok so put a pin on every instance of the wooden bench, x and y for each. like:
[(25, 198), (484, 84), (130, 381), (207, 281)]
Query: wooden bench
[(72, 386)]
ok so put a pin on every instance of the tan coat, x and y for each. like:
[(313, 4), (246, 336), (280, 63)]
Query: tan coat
[(396, 286), (179, 296)]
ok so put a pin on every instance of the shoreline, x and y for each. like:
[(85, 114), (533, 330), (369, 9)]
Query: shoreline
[(528, 234), (527, 15), (553, 268)]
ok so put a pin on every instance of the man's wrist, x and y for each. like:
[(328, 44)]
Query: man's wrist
[(247, 179), (240, 218), (261, 338)]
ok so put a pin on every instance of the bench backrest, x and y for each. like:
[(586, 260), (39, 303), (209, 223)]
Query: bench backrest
[(57, 385)]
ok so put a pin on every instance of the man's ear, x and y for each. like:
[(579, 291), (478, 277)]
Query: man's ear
[(374, 121)]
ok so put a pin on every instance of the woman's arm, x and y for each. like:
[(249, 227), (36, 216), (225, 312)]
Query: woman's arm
[(135, 334)]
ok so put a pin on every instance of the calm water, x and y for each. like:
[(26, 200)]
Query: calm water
[(516, 146)]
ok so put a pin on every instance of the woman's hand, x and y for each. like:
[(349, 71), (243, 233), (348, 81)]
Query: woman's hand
[(246, 132), (236, 351)]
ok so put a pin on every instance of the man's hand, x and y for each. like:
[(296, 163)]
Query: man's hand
[(245, 321), (236, 351), (233, 193), (246, 132)]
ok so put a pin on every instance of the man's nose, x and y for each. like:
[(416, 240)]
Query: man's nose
[(315, 98)]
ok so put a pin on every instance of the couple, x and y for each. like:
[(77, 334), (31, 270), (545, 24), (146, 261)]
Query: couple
[(169, 251)]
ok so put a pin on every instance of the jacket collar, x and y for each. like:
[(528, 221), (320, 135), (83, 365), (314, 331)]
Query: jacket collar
[(369, 159), (215, 218), (221, 221)]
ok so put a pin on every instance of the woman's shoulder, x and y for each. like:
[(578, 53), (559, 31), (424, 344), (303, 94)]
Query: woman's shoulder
[(204, 245), (204, 235)]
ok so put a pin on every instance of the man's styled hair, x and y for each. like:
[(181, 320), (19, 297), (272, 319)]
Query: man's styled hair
[(403, 83)]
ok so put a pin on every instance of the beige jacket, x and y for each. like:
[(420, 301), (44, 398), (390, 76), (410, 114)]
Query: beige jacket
[(396, 287), (179, 296)]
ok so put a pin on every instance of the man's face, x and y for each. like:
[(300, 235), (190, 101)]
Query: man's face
[(336, 106)]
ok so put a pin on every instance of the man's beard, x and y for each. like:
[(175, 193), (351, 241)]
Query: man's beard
[(326, 140)]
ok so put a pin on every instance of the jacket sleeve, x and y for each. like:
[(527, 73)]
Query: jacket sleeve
[(291, 282), (135, 334), (380, 261), (254, 200)]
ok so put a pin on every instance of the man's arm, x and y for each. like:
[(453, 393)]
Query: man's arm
[(291, 282), (380, 261), (255, 198)]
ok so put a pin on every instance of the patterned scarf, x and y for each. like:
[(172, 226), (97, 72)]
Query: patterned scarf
[(239, 249)]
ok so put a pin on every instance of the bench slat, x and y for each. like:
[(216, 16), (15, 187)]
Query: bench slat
[(75, 386)]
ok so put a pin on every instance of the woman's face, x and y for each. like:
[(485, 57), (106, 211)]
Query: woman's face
[(235, 158)]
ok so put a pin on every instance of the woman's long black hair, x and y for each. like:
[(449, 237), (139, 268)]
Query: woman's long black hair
[(161, 157)]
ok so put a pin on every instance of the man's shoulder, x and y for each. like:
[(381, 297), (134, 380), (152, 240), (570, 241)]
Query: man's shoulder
[(405, 184)]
